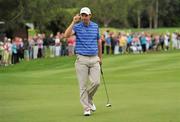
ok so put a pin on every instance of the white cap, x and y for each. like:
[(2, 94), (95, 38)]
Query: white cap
[(85, 10)]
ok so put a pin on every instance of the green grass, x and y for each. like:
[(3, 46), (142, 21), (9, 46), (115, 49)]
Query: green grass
[(142, 88)]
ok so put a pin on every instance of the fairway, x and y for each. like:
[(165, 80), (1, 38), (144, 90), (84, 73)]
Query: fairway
[(142, 88)]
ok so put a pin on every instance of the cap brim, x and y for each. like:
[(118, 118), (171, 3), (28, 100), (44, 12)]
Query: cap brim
[(84, 13)]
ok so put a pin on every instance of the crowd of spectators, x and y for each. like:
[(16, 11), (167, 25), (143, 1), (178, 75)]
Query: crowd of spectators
[(138, 42), (15, 50)]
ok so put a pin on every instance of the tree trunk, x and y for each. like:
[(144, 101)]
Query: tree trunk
[(106, 22), (156, 14), (150, 21), (139, 19), (151, 13)]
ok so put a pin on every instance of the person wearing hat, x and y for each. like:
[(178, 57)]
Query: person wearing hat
[(89, 56)]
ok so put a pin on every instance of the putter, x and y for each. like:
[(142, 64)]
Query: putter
[(108, 104)]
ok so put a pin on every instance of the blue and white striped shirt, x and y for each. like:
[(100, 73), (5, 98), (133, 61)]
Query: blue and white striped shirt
[(87, 38)]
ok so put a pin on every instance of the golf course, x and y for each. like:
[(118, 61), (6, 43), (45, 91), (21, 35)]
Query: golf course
[(141, 88)]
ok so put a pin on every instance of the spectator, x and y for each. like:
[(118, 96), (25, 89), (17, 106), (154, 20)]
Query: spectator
[(30, 48), (64, 46), (178, 40), (143, 42), (71, 45), (122, 43), (174, 41), (136, 45), (1, 52), (15, 58), (156, 42), (113, 42), (26, 49), (166, 42), (6, 52), (108, 44), (51, 41), (35, 48), (57, 46), (21, 49), (103, 42), (129, 41), (45, 45), (10, 51), (161, 41), (40, 46)]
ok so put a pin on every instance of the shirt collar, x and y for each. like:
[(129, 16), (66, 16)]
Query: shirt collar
[(90, 23)]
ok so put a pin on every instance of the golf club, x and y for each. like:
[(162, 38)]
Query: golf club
[(108, 104)]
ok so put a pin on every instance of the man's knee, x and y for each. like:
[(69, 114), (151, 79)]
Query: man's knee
[(97, 83)]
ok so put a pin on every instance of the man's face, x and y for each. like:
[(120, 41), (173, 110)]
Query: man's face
[(85, 18)]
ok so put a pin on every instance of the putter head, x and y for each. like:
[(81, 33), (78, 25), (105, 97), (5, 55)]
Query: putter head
[(108, 105)]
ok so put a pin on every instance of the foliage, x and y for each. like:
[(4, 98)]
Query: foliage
[(55, 15)]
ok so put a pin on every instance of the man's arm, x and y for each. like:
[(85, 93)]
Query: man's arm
[(69, 31)]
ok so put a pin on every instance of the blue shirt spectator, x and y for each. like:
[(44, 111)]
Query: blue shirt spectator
[(14, 48), (129, 39), (108, 41), (143, 40)]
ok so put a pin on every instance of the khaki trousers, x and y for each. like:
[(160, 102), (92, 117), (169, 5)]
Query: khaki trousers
[(87, 67)]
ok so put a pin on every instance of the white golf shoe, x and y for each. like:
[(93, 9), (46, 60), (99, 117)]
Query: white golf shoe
[(93, 107), (87, 112)]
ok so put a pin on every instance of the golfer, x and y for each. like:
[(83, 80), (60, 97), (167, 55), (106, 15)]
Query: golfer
[(89, 56)]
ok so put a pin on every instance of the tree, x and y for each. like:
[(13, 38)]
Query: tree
[(156, 14), (40, 12), (106, 12), (137, 8), (169, 13), (55, 15)]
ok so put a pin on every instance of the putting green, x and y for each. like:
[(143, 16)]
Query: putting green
[(142, 88)]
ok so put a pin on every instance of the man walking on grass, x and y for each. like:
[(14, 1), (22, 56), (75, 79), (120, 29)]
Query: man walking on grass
[(89, 56)]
